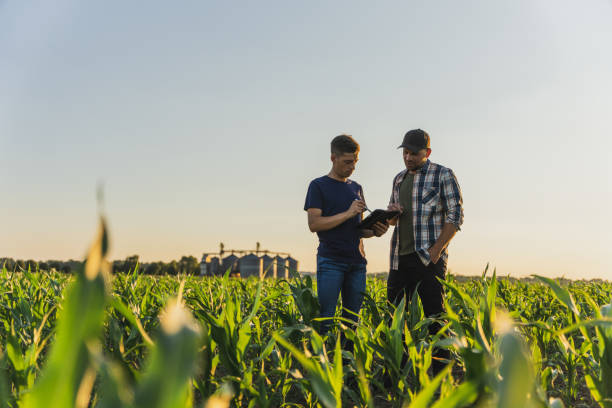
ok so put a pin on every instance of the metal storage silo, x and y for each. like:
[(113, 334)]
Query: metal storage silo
[(209, 266), (250, 265), (229, 262), (282, 267), (269, 266), (204, 265), (213, 266), (293, 265)]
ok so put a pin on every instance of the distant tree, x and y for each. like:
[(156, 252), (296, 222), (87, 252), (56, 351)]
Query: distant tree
[(8, 263), (162, 268), (172, 268), (153, 269), (74, 265), (186, 265), (130, 263), (189, 265), (117, 266)]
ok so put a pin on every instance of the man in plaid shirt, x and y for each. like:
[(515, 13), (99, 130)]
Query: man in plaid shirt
[(430, 204)]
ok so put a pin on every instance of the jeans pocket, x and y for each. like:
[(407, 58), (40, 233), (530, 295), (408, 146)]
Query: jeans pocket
[(330, 267), (323, 262)]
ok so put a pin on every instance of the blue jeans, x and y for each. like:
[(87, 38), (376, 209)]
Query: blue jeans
[(333, 278)]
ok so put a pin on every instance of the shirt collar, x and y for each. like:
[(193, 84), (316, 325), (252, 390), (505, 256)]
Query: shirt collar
[(402, 175), (423, 168)]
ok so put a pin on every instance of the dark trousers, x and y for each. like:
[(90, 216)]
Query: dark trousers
[(403, 281)]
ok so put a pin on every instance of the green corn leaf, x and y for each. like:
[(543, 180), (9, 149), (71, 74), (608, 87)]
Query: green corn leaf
[(481, 337), (484, 273), (4, 390), (424, 397), (13, 351), (594, 386), (207, 362), (470, 305), (396, 331), (336, 376), (120, 307), (462, 396), (488, 306), (256, 304), (605, 358), (562, 294), (316, 374), (605, 322), (79, 327), (115, 389), (516, 373), (166, 381)]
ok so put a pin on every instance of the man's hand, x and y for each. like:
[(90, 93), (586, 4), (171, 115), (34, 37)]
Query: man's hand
[(448, 232), (356, 208), (395, 207), (377, 230), (380, 228), (434, 253)]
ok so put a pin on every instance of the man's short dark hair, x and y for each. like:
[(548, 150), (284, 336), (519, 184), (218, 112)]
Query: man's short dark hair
[(344, 144)]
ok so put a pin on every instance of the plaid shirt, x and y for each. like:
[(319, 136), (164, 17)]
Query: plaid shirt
[(436, 200)]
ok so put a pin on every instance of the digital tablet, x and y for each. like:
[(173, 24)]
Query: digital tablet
[(375, 216)]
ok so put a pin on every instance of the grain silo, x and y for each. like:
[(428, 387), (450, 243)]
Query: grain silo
[(209, 266), (293, 265), (250, 265), (269, 266), (229, 262), (213, 266), (204, 265), (282, 267)]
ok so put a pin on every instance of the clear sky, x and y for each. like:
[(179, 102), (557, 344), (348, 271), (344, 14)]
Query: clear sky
[(207, 120)]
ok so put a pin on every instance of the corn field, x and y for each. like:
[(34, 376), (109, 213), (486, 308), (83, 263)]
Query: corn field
[(129, 340)]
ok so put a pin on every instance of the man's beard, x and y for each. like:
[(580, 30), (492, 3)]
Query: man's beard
[(414, 167)]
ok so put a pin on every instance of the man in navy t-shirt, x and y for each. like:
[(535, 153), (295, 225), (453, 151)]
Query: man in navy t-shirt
[(335, 205)]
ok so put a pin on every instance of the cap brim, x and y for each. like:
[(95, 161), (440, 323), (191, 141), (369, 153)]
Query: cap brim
[(410, 147)]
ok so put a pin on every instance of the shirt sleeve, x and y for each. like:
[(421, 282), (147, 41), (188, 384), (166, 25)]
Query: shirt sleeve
[(314, 197), (391, 199), (451, 199)]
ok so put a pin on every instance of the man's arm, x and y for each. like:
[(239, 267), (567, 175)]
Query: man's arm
[(394, 205), (448, 232), (378, 229), (317, 222), (452, 203)]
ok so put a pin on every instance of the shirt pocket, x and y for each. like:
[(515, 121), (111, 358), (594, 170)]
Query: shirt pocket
[(430, 197)]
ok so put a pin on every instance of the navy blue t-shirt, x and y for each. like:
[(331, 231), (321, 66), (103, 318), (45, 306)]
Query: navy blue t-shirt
[(343, 242)]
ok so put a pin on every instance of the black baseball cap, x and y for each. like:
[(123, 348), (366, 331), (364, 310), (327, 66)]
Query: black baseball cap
[(415, 140)]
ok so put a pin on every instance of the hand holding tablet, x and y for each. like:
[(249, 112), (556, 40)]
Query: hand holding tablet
[(376, 216)]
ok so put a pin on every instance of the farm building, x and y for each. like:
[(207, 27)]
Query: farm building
[(245, 263)]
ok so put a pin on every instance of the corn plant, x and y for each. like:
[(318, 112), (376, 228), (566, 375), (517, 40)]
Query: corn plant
[(130, 340)]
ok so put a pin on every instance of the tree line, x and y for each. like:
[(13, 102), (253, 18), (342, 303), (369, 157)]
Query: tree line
[(187, 265)]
